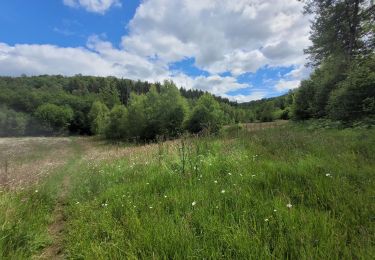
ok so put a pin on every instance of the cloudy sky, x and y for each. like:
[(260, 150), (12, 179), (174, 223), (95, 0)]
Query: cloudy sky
[(240, 49)]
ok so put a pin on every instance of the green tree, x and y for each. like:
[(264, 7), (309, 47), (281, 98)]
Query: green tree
[(137, 116), (98, 117), (117, 123), (337, 29), (172, 111), (355, 96), (207, 114), (266, 114), (109, 94), (54, 118)]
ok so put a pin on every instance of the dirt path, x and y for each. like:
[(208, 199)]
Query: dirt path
[(56, 228)]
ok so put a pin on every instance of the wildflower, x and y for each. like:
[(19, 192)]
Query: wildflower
[(328, 174), (147, 183), (229, 173), (215, 181), (104, 205), (289, 205), (223, 191), (266, 219), (36, 191), (165, 196), (150, 207), (194, 203), (217, 207), (253, 175), (77, 202), (274, 210)]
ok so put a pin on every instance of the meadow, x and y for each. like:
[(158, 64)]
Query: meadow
[(286, 192)]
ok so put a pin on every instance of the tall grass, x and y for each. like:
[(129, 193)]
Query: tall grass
[(282, 193)]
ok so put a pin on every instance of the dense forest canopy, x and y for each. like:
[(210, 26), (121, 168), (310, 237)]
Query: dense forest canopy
[(117, 108)]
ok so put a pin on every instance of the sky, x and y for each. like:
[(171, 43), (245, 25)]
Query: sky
[(239, 49)]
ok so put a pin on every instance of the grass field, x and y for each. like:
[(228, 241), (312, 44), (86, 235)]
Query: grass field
[(285, 192)]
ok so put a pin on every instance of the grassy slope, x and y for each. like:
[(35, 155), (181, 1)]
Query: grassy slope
[(143, 207)]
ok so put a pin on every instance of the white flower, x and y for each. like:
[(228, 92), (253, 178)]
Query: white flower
[(215, 181), (77, 202), (266, 219), (229, 174), (328, 174), (222, 191), (289, 205), (194, 203), (274, 210), (253, 175), (36, 191), (150, 207), (165, 196)]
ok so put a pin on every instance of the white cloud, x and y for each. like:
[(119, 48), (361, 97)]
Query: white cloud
[(283, 85), (99, 59), (237, 36), (95, 6)]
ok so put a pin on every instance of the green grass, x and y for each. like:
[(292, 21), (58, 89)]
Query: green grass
[(241, 185), (25, 214)]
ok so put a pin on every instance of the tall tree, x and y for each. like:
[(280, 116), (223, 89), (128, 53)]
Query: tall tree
[(339, 29)]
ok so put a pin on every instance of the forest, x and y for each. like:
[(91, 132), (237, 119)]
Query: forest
[(120, 108)]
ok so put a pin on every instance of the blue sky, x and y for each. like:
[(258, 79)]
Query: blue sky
[(239, 49)]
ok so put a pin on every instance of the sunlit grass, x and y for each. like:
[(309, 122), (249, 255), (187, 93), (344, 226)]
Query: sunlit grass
[(274, 193)]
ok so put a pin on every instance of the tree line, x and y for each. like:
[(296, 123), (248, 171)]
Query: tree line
[(120, 108), (111, 107)]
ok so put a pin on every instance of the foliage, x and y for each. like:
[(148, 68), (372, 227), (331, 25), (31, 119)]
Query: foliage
[(117, 123), (54, 118), (206, 115), (342, 85), (154, 109), (355, 96), (98, 118), (12, 123)]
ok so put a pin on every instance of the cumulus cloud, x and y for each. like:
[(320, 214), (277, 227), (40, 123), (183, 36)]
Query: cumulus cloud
[(99, 59), (95, 6), (238, 36)]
